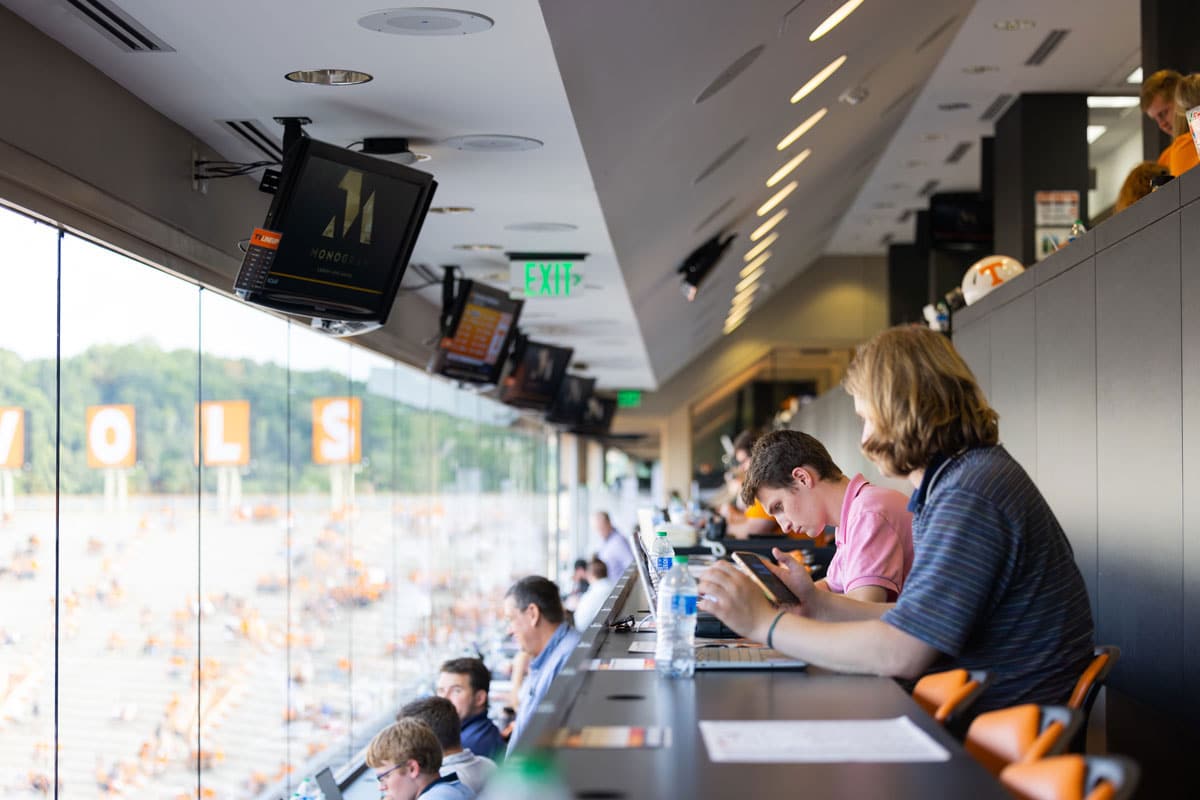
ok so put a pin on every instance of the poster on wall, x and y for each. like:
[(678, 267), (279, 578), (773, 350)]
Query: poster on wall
[(1053, 214)]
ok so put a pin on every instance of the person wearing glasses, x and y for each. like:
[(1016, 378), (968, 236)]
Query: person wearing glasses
[(406, 758), (993, 585), (441, 717)]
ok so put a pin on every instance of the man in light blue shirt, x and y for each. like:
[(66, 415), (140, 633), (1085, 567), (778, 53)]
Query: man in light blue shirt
[(615, 550), (536, 620)]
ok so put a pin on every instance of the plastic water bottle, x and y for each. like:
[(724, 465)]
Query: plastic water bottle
[(675, 648), (1077, 230), (307, 790), (662, 555), (526, 777)]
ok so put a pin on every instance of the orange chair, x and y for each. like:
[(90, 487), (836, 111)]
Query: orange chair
[(1073, 777), (1021, 734), (948, 696), (1083, 697)]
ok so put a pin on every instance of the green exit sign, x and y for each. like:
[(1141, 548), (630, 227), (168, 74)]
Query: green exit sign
[(629, 398), (549, 278)]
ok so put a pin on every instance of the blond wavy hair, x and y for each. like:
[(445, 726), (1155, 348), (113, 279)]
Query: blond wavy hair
[(922, 397)]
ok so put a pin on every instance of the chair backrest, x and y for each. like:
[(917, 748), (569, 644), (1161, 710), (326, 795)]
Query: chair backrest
[(1087, 688), (948, 696), (1021, 734), (1073, 777), (1089, 683)]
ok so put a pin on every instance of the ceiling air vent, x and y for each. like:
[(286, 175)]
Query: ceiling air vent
[(958, 152), (704, 223), (993, 110), (731, 72), (120, 28), (905, 215), (720, 160), (248, 131), (929, 188), (892, 106), (1048, 46), (938, 31)]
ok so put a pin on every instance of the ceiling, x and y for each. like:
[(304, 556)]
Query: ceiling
[(638, 165)]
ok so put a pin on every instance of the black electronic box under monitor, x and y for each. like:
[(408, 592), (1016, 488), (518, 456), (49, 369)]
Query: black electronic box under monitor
[(337, 238), (536, 372), (480, 332), (571, 401), (597, 416)]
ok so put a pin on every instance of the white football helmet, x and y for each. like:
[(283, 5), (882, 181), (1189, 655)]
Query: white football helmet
[(986, 274)]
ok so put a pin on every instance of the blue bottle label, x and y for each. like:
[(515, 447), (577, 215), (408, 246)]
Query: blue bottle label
[(663, 563), (683, 604)]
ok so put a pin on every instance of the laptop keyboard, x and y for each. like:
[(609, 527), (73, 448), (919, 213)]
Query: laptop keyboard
[(738, 655)]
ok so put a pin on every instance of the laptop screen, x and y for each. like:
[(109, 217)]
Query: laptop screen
[(328, 785)]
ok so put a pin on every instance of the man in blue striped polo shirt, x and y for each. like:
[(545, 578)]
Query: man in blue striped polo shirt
[(994, 583)]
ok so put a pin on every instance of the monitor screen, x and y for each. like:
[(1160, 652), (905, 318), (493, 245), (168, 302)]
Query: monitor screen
[(481, 329), (536, 373), (597, 416), (571, 400), (959, 220), (338, 236)]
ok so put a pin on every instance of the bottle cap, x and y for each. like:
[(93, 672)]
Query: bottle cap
[(661, 533), (680, 559)]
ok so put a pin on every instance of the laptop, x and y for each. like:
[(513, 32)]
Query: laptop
[(739, 654), (328, 785)]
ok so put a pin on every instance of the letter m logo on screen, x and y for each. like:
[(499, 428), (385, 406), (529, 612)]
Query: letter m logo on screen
[(337, 430)]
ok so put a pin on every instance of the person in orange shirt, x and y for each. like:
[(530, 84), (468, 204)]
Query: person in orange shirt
[(1159, 103), (755, 521)]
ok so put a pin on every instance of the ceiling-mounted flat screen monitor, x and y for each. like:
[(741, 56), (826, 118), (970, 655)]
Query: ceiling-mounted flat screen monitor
[(571, 401), (338, 237), (481, 329), (959, 221), (597, 416), (537, 370)]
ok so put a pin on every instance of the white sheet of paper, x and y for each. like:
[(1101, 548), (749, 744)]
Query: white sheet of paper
[(647, 646), (819, 741)]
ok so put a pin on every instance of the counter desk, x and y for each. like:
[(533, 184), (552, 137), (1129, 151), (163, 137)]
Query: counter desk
[(580, 697)]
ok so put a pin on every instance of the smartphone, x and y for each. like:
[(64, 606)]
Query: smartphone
[(754, 566)]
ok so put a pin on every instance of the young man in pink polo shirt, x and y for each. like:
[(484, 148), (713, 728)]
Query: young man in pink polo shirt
[(795, 479)]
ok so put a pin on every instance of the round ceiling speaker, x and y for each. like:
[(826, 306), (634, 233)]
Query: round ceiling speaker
[(492, 143), (426, 22)]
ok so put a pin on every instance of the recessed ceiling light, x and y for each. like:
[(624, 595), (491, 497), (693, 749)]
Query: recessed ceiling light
[(485, 247), (979, 69), (451, 210), (914, 163), (730, 327), (834, 19), (1014, 24), (426, 22), (328, 77), (1135, 76), (1111, 101), (750, 279), (755, 264), (818, 79), (957, 105), (897, 187), (740, 307), (736, 315), (542, 227), (787, 168), (754, 252), (801, 129), (779, 197), (932, 137), (492, 143), (1094, 132), (763, 229), (854, 95)]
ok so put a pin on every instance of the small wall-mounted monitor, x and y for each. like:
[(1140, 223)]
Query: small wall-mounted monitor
[(337, 239), (537, 371), (571, 401), (959, 220), (597, 416), (478, 335)]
